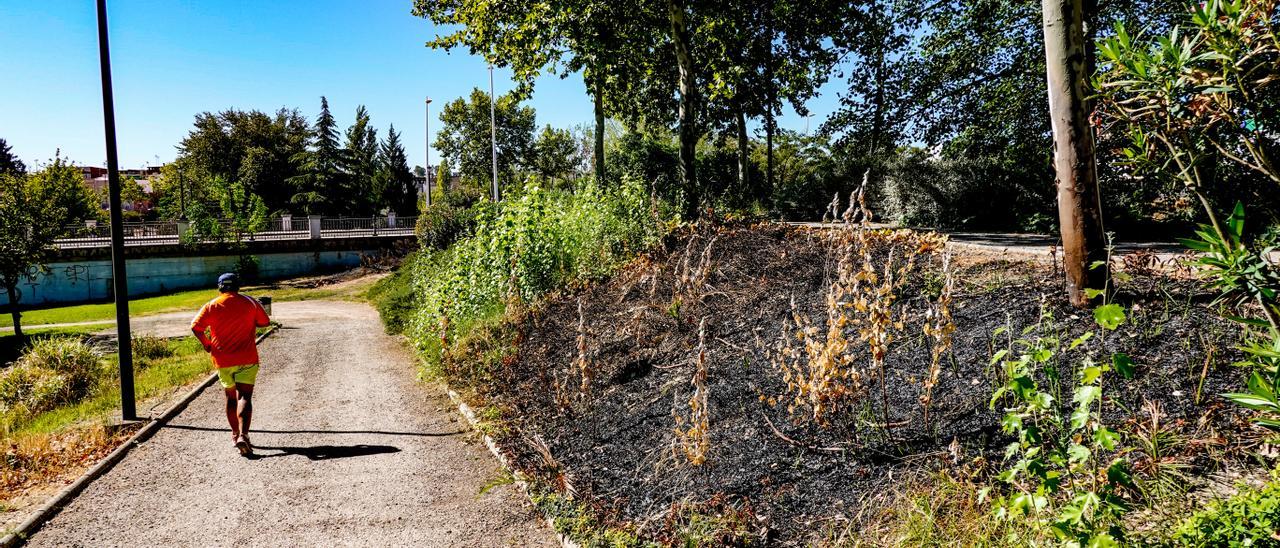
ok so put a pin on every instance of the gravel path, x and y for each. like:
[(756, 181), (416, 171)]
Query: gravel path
[(352, 451)]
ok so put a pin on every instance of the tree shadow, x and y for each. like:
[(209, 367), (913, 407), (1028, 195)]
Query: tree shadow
[(324, 452)]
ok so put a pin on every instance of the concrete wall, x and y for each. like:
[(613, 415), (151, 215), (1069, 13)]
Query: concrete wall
[(87, 280)]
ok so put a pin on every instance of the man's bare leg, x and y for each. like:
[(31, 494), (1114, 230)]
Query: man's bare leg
[(244, 394), (245, 407), (232, 413)]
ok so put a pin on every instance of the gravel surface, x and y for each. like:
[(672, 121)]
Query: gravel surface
[(351, 451)]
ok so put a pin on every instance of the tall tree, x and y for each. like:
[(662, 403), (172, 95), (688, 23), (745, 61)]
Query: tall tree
[(257, 149), (30, 220), (62, 181), (317, 189), (1079, 204), (464, 137), (9, 163), (555, 154), (394, 181), (360, 162)]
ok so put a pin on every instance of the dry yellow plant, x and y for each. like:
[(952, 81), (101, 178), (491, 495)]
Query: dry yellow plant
[(693, 435)]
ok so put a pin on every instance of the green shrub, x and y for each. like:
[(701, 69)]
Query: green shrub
[(1250, 518), (50, 373), (526, 247), (448, 218), (150, 347), (394, 296)]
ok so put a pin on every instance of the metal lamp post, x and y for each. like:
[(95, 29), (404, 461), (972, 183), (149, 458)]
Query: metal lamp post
[(428, 151), (493, 134), (119, 277)]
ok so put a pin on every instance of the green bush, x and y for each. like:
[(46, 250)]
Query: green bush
[(528, 246), (394, 296), (150, 347), (450, 217), (50, 373), (1250, 518)]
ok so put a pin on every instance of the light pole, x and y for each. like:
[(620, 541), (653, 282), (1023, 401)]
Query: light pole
[(493, 134), (428, 147), (119, 277)]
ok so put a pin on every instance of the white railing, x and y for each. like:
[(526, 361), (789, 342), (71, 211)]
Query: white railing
[(276, 228)]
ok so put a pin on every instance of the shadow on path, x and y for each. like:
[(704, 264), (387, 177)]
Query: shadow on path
[(372, 432), (324, 452)]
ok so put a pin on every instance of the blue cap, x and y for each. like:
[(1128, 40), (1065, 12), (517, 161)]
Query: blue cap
[(229, 279)]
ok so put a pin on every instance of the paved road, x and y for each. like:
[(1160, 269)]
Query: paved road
[(353, 451)]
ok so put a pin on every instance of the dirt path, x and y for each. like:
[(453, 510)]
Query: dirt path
[(352, 451)]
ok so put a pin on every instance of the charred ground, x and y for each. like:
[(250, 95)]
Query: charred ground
[(772, 472)]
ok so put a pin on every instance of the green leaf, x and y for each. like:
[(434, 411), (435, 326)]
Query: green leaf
[(1109, 316), (1090, 374), (1252, 402), (1080, 340), (1093, 293), (1096, 265), (1106, 438), (1078, 453), (1123, 364)]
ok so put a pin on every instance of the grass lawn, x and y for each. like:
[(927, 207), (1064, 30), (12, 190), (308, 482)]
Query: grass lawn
[(106, 312), (183, 300)]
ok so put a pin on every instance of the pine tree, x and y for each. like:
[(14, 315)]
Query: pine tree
[(360, 162), (318, 188), (394, 181), (9, 163)]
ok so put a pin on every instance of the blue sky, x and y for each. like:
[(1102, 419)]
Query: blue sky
[(171, 60)]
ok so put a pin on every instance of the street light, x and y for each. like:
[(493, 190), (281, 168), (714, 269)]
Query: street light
[(119, 277), (428, 147), (493, 135)]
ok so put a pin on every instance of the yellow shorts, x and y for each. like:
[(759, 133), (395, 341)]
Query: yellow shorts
[(237, 374)]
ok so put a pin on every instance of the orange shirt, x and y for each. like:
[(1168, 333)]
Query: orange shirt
[(231, 320)]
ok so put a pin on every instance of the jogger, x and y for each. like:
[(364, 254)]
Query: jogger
[(227, 327)]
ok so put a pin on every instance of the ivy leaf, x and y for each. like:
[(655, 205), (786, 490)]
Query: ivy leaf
[(1123, 364), (1109, 316)]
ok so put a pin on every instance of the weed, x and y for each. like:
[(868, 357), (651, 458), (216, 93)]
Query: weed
[(1058, 482), (822, 373), (1250, 518), (50, 373), (147, 347), (693, 434), (577, 522), (1161, 470), (714, 522)]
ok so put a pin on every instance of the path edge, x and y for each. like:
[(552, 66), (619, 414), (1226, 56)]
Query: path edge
[(523, 485), (51, 507)]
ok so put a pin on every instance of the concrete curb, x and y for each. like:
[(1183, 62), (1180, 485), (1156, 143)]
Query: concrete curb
[(54, 505), (466, 412)]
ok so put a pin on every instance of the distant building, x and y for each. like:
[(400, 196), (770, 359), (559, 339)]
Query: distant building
[(96, 179), (451, 183)]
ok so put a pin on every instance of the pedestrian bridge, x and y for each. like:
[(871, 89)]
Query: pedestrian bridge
[(163, 257), (162, 233)]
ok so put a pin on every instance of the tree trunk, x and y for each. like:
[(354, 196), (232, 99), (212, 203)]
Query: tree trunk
[(599, 152), (744, 165), (688, 104), (13, 310), (768, 145), (772, 97), (1079, 203)]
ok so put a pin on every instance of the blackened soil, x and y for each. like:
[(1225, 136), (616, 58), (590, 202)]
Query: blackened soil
[(613, 447)]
